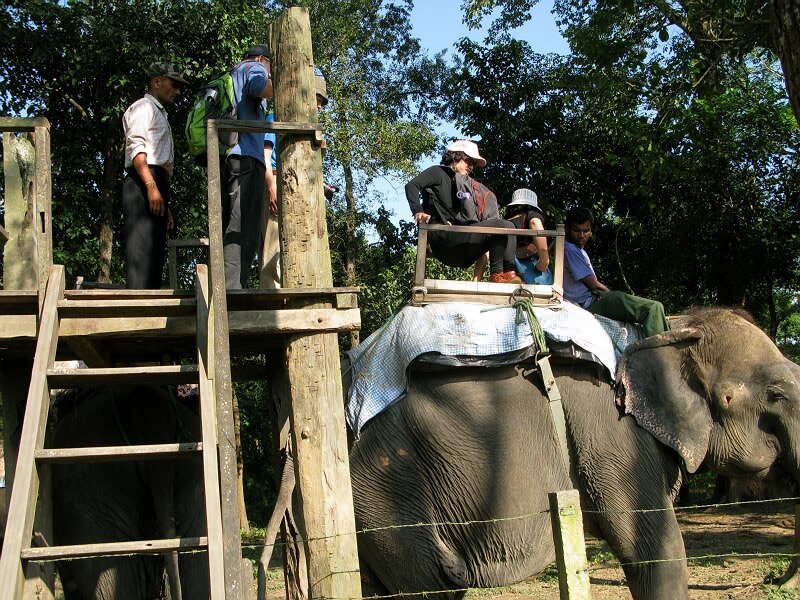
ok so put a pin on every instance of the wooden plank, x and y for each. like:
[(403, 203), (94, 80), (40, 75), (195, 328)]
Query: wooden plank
[(558, 269), (4, 237), (422, 254), (264, 322), (205, 357), (567, 521), (126, 294), (96, 309), (26, 484), (450, 286), (116, 549), (21, 327), (296, 321), (491, 230), (318, 430), (285, 128), (22, 123), (118, 453), (219, 371), (157, 375)]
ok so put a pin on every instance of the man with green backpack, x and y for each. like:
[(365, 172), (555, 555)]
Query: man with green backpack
[(238, 94)]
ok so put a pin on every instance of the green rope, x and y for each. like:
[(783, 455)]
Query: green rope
[(524, 309)]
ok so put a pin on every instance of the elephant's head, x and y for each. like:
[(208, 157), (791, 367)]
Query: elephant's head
[(716, 388)]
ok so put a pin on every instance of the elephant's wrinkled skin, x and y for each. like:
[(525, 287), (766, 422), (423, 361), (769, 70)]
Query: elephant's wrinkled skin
[(477, 445), (128, 500)]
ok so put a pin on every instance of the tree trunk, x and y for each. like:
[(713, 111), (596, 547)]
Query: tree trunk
[(350, 244), (785, 21), (111, 168)]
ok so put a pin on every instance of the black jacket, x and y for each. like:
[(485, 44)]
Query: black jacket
[(437, 187)]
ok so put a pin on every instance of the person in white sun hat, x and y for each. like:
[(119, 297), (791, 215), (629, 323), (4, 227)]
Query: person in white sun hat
[(432, 198), (533, 256)]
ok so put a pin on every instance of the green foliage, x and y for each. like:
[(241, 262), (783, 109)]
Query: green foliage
[(680, 141)]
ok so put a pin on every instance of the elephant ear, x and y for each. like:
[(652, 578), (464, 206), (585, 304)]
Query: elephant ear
[(655, 388)]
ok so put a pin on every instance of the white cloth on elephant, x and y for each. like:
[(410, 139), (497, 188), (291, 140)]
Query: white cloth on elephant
[(380, 363)]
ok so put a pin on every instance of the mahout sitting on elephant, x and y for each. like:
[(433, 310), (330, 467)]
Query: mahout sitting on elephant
[(128, 500), (451, 482)]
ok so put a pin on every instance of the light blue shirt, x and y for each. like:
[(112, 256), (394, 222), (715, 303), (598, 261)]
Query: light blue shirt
[(577, 265), (249, 79), (270, 139)]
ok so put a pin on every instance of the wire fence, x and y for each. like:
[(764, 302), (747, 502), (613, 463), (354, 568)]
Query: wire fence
[(592, 568)]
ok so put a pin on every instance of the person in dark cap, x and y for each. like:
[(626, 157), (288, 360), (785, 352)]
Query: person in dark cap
[(243, 172), (149, 160)]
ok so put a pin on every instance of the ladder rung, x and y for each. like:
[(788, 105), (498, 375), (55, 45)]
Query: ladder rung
[(115, 548), (127, 307), (117, 453), (167, 374)]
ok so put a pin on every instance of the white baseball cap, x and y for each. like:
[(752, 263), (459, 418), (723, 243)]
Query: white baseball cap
[(524, 196), (468, 148)]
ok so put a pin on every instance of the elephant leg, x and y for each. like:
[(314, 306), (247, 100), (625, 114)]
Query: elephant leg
[(652, 554), (791, 579)]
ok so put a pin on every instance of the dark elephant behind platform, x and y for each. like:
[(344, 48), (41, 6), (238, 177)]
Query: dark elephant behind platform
[(128, 500), (451, 482)]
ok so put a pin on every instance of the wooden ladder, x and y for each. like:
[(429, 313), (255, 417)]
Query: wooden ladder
[(18, 552)]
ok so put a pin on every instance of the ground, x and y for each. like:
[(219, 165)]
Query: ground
[(735, 549)]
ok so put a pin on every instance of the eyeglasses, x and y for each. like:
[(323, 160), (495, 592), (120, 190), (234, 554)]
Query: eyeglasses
[(469, 161)]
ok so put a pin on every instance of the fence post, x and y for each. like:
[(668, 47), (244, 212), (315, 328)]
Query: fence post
[(567, 520)]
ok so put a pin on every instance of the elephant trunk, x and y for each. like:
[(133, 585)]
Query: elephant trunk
[(281, 506)]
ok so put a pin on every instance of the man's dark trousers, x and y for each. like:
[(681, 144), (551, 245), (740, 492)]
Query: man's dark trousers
[(145, 234), (243, 215)]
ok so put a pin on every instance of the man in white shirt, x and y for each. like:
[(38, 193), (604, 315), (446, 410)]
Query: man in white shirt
[(582, 287), (149, 161)]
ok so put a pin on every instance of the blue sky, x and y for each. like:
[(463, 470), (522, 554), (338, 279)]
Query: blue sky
[(438, 25)]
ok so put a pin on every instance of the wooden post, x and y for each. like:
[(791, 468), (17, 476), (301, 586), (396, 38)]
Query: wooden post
[(558, 269), (317, 423), (220, 372), (28, 256), (567, 520)]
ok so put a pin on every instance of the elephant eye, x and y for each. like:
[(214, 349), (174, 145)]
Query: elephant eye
[(775, 395)]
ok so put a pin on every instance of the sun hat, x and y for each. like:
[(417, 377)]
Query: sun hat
[(468, 148), (166, 69), (524, 196)]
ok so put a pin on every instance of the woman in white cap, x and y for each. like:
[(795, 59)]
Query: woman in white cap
[(533, 256), (432, 198)]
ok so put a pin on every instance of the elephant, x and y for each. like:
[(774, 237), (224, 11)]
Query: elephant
[(450, 484), (128, 500)]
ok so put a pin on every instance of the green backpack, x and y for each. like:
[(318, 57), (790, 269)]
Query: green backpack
[(214, 101)]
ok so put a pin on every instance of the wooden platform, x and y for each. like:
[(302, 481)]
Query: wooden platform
[(141, 325)]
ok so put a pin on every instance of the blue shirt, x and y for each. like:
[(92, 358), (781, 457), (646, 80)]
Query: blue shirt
[(270, 139), (577, 265), (249, 79)]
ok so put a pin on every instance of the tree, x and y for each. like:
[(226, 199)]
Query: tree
[(81, 63), (668, 124)]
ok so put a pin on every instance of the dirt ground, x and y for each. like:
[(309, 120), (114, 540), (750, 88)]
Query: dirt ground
[(733, 551)]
